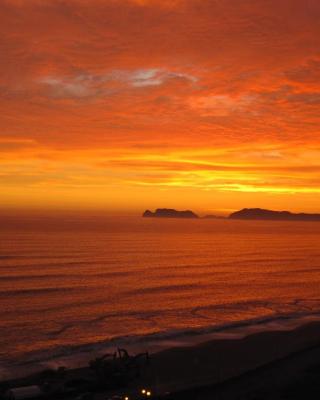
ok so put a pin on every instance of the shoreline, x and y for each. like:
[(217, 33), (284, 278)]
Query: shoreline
[(79, 357), (213, 362)]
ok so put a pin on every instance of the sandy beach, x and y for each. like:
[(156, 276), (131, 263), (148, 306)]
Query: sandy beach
[(220, 360), (218, 365)]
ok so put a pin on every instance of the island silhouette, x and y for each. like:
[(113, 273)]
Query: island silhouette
[(263, 214), (169, 213), (245, 213)]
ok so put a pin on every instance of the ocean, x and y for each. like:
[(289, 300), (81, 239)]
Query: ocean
[(73, 288)]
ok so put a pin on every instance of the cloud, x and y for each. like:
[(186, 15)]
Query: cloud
[(153, 77), (87, 85), (11, 145), (308, 73), (306, 98), (77, 87), (145, 77), (221, 105)]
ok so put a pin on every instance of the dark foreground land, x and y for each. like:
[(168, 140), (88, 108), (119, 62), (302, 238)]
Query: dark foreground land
[(265, 366), (292, 378)]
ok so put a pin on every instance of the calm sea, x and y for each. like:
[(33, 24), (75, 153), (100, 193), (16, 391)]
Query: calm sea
[(73, 288)]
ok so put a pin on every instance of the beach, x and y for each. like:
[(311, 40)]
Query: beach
[(218, 361), (264, 362)]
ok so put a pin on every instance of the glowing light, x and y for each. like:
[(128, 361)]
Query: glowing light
[(143, 391), (148, 393)]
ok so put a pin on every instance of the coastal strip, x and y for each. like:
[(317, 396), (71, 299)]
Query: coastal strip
[(215, 362)]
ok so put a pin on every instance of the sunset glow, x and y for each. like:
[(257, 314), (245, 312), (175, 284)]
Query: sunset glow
[(123, 105)]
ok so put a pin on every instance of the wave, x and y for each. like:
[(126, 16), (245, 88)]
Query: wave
[(39, 291), (70, 355), (162, 289), (15, 278), (48, 265)]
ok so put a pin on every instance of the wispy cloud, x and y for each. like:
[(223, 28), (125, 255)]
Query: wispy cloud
[(150, 77), (86, 85), (78, 87), (221, 105)]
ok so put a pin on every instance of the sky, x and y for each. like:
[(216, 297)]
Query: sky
[(122, 105)]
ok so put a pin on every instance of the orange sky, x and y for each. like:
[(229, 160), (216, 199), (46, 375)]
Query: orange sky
[(120, 105)]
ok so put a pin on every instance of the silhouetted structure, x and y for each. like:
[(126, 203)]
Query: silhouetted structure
[(119, 368)]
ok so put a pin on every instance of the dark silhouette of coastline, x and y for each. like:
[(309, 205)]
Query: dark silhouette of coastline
[(169, 213), (245, 213), (262, 214)]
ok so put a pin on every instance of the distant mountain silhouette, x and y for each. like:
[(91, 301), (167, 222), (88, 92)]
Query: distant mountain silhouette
[(169, 213), (259, 213)]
